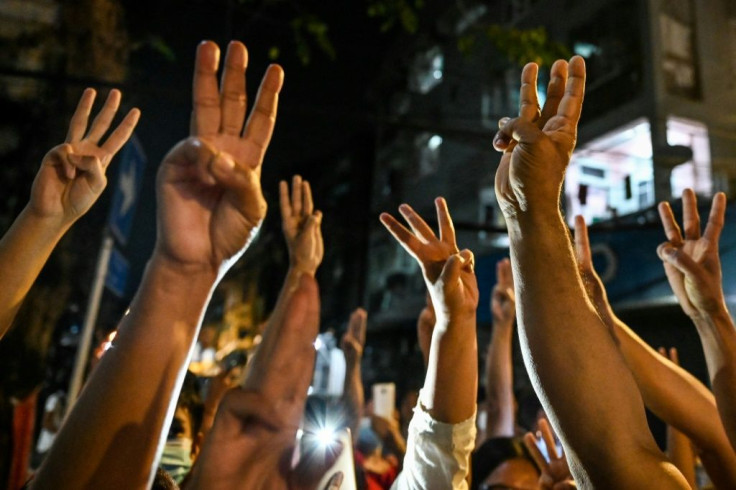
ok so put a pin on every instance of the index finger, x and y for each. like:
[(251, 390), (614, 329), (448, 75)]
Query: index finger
[(671, 229), (716, 218), (444, 220), (284, 203), (531, 444), (205, 118), (407, 240), (78, 122), (262, 120), (571, 104), (582, 243), (529, 100)]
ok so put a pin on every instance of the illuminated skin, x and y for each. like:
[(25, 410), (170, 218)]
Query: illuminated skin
[(209, 207), (585, 396), (670, 392), (70, 180)]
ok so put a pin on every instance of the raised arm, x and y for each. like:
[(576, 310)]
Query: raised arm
[(693, 268), (71, 178), (352, 345), (442, 431), (575, 367), (673, 394), (499, 364), (210, 206), (679, 448)]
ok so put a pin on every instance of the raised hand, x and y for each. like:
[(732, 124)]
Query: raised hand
[(537, 145), (555, 473), (503, 299), (253, 439), (692, 264), (448, 272), (592, 282), (210, 199), (301, 226), (353, 341), (72, 175)]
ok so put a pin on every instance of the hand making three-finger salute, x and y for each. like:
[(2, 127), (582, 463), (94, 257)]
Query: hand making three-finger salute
[(71, 178)]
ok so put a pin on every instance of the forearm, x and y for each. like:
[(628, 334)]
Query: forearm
[(451, 383), (24, 250), (718, 336), (500, 382), (585, 393), (111, 437), (353, 397), (680, 400), (680, 452)]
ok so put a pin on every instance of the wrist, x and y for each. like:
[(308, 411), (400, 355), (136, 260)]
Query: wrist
[(51, 225), (194, 274), (713, 319)]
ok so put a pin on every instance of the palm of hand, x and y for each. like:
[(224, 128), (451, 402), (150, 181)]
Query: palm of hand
[(202, 222), (211, 203), (502, 306), (72, 175)]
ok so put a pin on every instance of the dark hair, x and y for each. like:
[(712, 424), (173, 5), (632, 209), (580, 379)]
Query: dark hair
[(191, 401), (492, 453)]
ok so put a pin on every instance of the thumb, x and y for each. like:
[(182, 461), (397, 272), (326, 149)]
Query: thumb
[(681, 261), (517, 129), (451, 271)]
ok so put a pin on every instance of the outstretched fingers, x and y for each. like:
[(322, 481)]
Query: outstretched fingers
[(205, 120), (120, 135), (529, 99), (284, 201), (555, 91), (671, 229), (447, 229), (690, 216), (233, 100), (571, 104), (716, 218), (102, 122), (262, 119), (504, 276), (78, 123), (418, 225), (406, 238)]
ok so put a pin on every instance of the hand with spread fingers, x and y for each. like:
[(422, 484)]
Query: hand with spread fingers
[(555, 472), (537, 145), (70, 180), (301, 225), (72, 175), (442, 430), (448, 272), (210, 200), (692, 264), (693, 268), (671, 393)]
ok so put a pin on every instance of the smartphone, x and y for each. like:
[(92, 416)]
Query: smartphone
[(384, 399), (344, 463)]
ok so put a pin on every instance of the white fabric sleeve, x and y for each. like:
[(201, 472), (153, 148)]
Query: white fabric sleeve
[(437, 454)]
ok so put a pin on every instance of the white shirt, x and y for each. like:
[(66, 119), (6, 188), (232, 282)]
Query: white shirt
[(437, 454)]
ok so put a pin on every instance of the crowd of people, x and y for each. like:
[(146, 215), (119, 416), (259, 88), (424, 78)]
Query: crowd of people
[(140, 420)]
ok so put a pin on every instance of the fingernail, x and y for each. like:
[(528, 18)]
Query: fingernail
[(503, 121), (224, 162)]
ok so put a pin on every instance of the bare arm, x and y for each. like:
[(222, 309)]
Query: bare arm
[(693, 268), (210, 206), (454, 292), (499, 364), (670, 392), (585, 393), (352, 345), (71, 178)]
